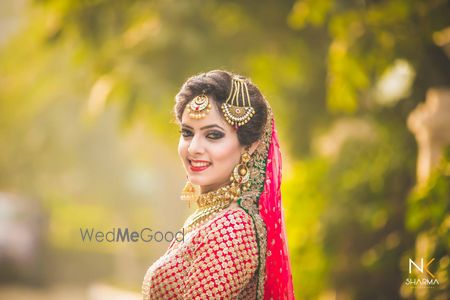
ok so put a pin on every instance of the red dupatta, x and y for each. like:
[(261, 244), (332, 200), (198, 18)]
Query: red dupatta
[(278, 282), (263, 203)]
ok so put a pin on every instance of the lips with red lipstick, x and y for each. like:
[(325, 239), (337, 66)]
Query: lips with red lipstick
[(198, 165)]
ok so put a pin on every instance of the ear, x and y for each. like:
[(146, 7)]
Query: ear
[(251, 148)]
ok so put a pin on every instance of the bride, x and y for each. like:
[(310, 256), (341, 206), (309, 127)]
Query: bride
[(235, 244)]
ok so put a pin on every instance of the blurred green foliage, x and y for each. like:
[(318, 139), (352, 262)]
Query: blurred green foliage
[(353, 214), (428, 220)]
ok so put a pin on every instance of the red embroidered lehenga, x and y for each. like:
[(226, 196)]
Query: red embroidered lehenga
[(241, 253)]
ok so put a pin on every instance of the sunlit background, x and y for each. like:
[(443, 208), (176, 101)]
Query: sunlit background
[(361, 95)]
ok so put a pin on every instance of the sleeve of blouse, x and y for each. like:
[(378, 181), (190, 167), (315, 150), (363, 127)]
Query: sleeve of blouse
[(225, 261)]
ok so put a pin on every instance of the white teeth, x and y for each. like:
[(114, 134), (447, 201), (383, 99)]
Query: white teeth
[(199, 164)]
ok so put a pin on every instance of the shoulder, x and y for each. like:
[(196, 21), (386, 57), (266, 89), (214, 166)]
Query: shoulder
[(231, 233), (234, 218), (230, 228)]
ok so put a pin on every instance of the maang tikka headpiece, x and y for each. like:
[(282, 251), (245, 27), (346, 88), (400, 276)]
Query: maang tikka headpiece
[(199, 107), (237, 109)]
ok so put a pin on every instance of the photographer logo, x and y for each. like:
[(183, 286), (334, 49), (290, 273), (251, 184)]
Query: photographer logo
[(420, 275)]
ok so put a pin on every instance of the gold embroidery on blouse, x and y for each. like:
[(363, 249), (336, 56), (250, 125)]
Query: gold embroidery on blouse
[(223, 273)]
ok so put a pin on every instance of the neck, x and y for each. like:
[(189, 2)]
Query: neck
[(211, 188), (224, 194)]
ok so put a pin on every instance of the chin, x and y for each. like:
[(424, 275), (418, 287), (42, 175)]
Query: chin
[(199, 180)]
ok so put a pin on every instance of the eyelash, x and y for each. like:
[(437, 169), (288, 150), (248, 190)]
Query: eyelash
[(215, 134)]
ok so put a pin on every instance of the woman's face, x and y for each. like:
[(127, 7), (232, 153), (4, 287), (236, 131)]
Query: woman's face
[(209, 149)]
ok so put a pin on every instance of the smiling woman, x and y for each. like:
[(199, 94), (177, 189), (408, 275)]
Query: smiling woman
[(235, 245), (209, 149)]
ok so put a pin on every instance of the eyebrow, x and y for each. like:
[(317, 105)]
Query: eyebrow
[(204, 127)]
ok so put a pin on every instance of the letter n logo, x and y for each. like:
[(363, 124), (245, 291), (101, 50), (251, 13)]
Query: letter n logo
[(421, 267)]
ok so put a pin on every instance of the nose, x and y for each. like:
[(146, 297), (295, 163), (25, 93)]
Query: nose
[(196, 146)]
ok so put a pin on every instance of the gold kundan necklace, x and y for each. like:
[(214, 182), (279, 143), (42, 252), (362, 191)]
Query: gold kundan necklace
[(209, 204)]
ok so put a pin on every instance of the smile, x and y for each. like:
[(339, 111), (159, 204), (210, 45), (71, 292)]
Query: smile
[(198, 165)]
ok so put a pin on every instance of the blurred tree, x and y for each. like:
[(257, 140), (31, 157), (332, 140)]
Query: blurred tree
[(381, 59)]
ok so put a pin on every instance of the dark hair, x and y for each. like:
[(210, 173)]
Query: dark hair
[(216, 84)]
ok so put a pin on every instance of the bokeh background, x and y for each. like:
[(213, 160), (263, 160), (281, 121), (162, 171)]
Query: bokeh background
[(360, 91)]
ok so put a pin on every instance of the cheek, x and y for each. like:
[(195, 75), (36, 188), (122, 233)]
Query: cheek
[(226, 155), (182, 148)]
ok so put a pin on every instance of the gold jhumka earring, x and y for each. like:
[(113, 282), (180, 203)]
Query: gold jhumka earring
[(189, 193), (241, 174)]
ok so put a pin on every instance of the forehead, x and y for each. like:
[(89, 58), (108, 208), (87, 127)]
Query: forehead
[(213, 117)]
